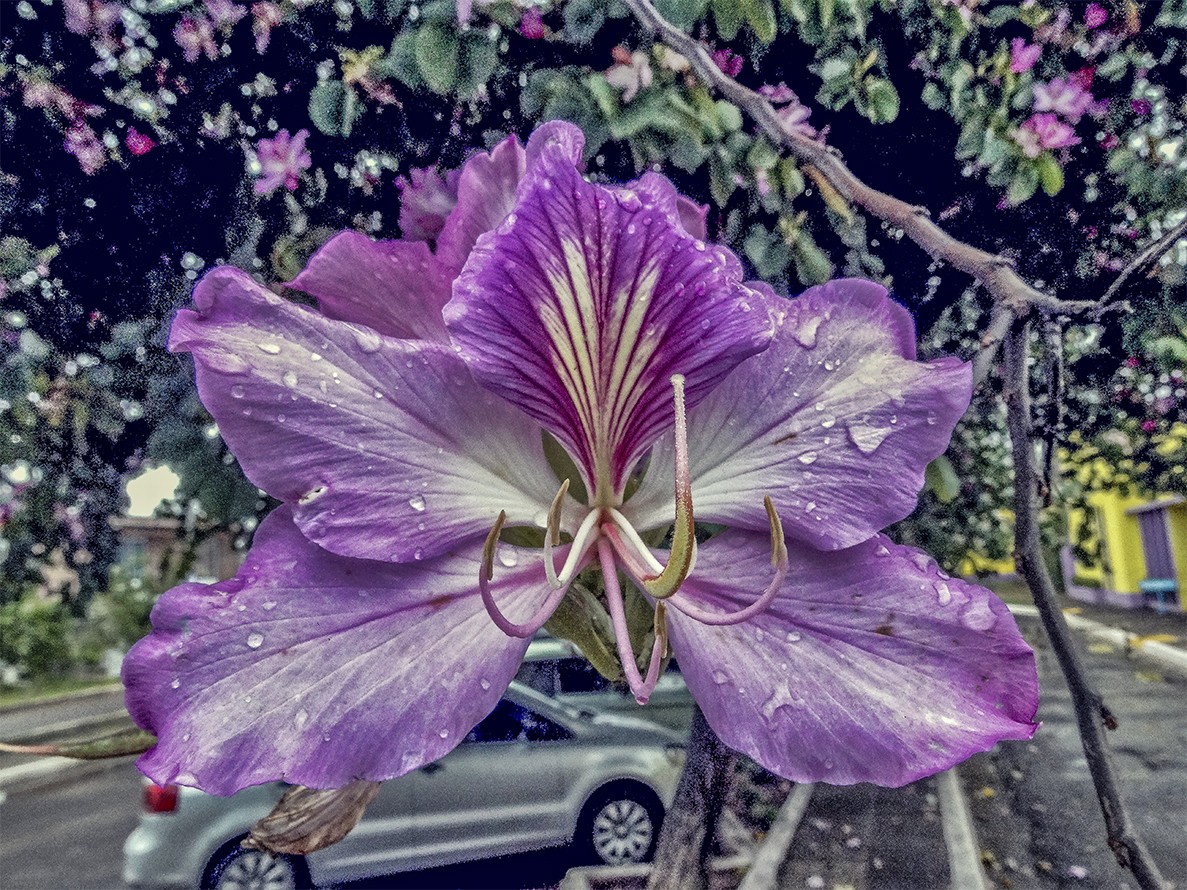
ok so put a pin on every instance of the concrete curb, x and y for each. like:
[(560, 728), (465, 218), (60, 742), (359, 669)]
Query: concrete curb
[(964, 852), (76, 695), (1168, 656)]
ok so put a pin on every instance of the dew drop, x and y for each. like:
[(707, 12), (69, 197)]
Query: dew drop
[(301, 718), (268, 605), (808, 457), (238, 391), (944, 592), (720, 678), (484, 683), (882, 550), (829, 422), (806, 332), (794, 636), (255, 640), (444, 733), (175, 683), (314, 357), (417, 553), (866, 436), (417, 503), (810, 507), (830, 366), (931, 418), (377, 394), (979, 617), (508, 556), (367, 340), (290, 379), (759, 634), (270, 348), (280, 418)]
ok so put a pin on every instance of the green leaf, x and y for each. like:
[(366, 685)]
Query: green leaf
[(797, 9), (1023, 185), (760, 15), (400, 62), (729, 115), (826, 13), (583, 20), (883, 100), (933, 96), (437, 57), (682, 13), (721, 178), (972, 138), (999, 15), (835, 69), (477, 60), (1050, 174), (812, 265), (941, 480), (604, 94), (727, 17), (791, 178), (332, 108)]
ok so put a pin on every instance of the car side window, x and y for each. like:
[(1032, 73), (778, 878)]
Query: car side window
[(539, 675), (577, 676), (510, 722)]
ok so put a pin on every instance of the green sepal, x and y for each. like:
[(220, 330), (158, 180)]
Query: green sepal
[(581, 618)]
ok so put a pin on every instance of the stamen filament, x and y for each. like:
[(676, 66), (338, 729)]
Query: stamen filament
[(640, 686), (641, 549), (684, 542), (486, 573), (778, 560), (552, 536)]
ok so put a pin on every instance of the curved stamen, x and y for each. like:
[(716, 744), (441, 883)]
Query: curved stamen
[(640, 686), (684, 541), (778, 561), (486, 573), (552, 535)]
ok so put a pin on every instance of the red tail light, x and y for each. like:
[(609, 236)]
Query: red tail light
[(160, 798)]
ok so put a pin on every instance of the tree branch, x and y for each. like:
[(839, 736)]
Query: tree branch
[(1091, 714), (995, 272), (1145, 258)]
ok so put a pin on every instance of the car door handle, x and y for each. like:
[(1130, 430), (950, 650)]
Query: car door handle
[(429, 768)]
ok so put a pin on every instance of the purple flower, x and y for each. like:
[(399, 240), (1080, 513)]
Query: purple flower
[(531, 24), (265, 16), (777, 94), (1041, 131), (82, 142), (224, 14), (426, 199), (728, 61), (1023, 55), (1095, 15), (793, 114), (195, 35), (282, 158), (1141, 107), (1064, 96), (138, 143), (379, 616)]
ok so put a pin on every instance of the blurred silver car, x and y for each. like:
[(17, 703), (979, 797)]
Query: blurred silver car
[(535, 773)]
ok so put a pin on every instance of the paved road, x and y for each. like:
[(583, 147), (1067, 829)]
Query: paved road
[(22, 722)]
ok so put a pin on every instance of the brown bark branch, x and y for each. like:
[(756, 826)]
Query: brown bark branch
[(995, 272), (1143, 259), (1091, 714)]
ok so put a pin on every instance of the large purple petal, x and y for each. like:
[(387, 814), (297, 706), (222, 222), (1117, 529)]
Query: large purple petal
[(486, 194), (395, 287), (870, 665), (835, 421), (388, 449), (587, 299), (317, 669)]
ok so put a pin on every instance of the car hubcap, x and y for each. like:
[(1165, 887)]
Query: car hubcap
[(256, 870), (622, 832)]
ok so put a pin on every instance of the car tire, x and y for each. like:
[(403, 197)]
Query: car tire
[(234, 868), (619, 825)]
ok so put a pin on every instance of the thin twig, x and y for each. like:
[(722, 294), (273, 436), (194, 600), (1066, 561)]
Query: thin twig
[(994, 271), (1091, 714), (1054, 424), (1143, 259), (1000, 319)]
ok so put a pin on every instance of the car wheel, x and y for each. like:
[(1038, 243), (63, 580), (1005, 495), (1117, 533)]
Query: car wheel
[(234, 868), (620, 825)]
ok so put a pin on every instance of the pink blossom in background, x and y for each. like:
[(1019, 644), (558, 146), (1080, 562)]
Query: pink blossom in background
[(138, 143), (1141, 107), (1149, 426), (777, 94), (426, 199), (82, 142), (1095, 15), (1023, 55), (531, 25), (728, 61), (91, 16), (1052, 32), (224, 13), (282, 158), (1042, 131), (630, 75), (195, 35), (1064, 96), (265, 16), (793, 113), (1109, 141), (1083, 77)]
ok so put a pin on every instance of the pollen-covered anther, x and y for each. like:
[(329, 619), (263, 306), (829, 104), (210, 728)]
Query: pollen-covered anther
[(684, 542), (552, 535), (778, 560)]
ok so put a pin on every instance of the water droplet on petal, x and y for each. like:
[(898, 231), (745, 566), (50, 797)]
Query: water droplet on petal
[(175, 683), (808, 457), (444, 733), (828, 422), (866, 436), (417, 503), (270, 348), (794, 636), (238, 391), (255, 640), (314, 357), (268, 605), (882, 550), (367, 340), (759, 634), (720, 678), (945, 593), (978, 616), (508, 556), (811, 505), (484, 683), (280, 418), (931, 418), (290, 379), (301, 718), (806, 332)]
